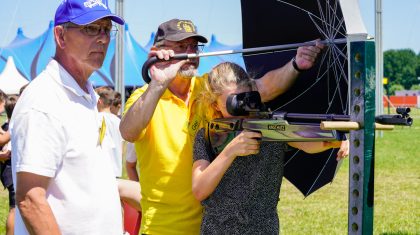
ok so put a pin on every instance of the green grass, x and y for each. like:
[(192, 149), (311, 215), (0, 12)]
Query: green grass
[(397, 192)]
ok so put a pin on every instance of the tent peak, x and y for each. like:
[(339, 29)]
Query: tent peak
[(19, 31), (10, 79), (213, 37)]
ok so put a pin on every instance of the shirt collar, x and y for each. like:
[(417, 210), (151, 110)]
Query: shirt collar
[(64, 78)]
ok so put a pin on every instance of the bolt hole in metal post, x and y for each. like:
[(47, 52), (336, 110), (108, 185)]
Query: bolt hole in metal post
[(357, 92), (356, 159), (358, 57), (356, 177), (358, 74), (356, 109), (355, 193), (356, 143), (355, 227)]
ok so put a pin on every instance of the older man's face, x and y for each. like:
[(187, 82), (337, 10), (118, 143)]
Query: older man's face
[(86, 48)]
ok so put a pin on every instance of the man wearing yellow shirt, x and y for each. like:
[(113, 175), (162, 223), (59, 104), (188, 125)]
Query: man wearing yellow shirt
[(161, 118)]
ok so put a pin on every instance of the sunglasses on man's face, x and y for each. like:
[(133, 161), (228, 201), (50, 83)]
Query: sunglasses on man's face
[(183, 47), (94, 29)]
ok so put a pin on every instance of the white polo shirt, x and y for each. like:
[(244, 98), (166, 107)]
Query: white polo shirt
[(55, 133)]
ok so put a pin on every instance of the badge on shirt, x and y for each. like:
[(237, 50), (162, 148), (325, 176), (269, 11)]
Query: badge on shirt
[(194, 125), (102, 131)]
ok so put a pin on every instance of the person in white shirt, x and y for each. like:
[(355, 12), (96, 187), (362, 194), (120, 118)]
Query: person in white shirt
[(112, 140), (64, 183), (5, 162)]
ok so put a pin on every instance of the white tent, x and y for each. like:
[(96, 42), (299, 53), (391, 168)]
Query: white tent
[(10, 79)]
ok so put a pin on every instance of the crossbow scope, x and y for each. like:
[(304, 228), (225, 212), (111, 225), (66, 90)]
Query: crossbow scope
[(401, 118)]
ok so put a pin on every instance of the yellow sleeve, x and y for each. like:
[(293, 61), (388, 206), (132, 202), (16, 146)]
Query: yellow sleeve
[(133, 98)]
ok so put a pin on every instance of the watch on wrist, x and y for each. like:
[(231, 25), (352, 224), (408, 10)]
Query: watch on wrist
[(295, 66)]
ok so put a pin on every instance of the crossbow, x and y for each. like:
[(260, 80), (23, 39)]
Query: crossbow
[(251, 114)]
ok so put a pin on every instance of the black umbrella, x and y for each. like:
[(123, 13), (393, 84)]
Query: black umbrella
[(323, 89), (310, 172)]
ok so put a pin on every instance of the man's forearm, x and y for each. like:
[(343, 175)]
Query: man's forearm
[(276, 82), (136, 119), (33, 205), (36, 213), (38, 219)]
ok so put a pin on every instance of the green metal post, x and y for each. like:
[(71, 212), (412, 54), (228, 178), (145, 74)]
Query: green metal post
[(362, 110)]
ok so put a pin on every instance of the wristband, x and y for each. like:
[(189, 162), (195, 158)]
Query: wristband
[(296, 66)]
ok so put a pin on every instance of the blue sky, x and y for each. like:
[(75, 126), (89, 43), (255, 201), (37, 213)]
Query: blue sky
[(400, 19)]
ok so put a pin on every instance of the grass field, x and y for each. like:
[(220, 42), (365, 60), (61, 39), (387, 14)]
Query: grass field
[(397, 192)]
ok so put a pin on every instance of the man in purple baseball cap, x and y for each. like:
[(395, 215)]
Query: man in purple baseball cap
[(82, 12), (64, 182)]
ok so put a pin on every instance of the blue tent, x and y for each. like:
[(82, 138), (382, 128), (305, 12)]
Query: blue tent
[(44, 53), (20, 37), (149, 44), (134, 58), (23, 51), (32, 55)]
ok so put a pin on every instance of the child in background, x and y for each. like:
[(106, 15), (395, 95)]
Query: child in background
[(4, 135), (116, 104), (6, 168), (240, 188), (114, 142)]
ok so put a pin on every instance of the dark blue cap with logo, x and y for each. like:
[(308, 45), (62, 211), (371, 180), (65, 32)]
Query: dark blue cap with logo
[(82, 12)]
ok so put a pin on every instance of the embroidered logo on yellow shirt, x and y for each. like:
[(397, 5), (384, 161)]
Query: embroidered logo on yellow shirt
[(102, 131), (194, 125)]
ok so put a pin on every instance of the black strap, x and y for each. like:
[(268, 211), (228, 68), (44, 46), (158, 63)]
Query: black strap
[(296, 66)]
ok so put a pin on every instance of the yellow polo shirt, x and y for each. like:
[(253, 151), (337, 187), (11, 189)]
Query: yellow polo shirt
[(164, 152)]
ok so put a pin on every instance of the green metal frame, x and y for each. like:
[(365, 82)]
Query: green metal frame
[(362, 110)]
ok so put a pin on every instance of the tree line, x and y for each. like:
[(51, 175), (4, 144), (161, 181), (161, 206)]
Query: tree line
[(402, 68)]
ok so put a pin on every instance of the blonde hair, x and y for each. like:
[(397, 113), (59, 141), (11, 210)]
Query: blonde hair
[(222, 76)]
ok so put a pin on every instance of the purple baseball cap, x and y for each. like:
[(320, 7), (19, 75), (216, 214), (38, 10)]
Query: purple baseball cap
[(83, 12)]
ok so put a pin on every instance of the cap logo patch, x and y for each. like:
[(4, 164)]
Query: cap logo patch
[(94, 3), (186, 26)]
